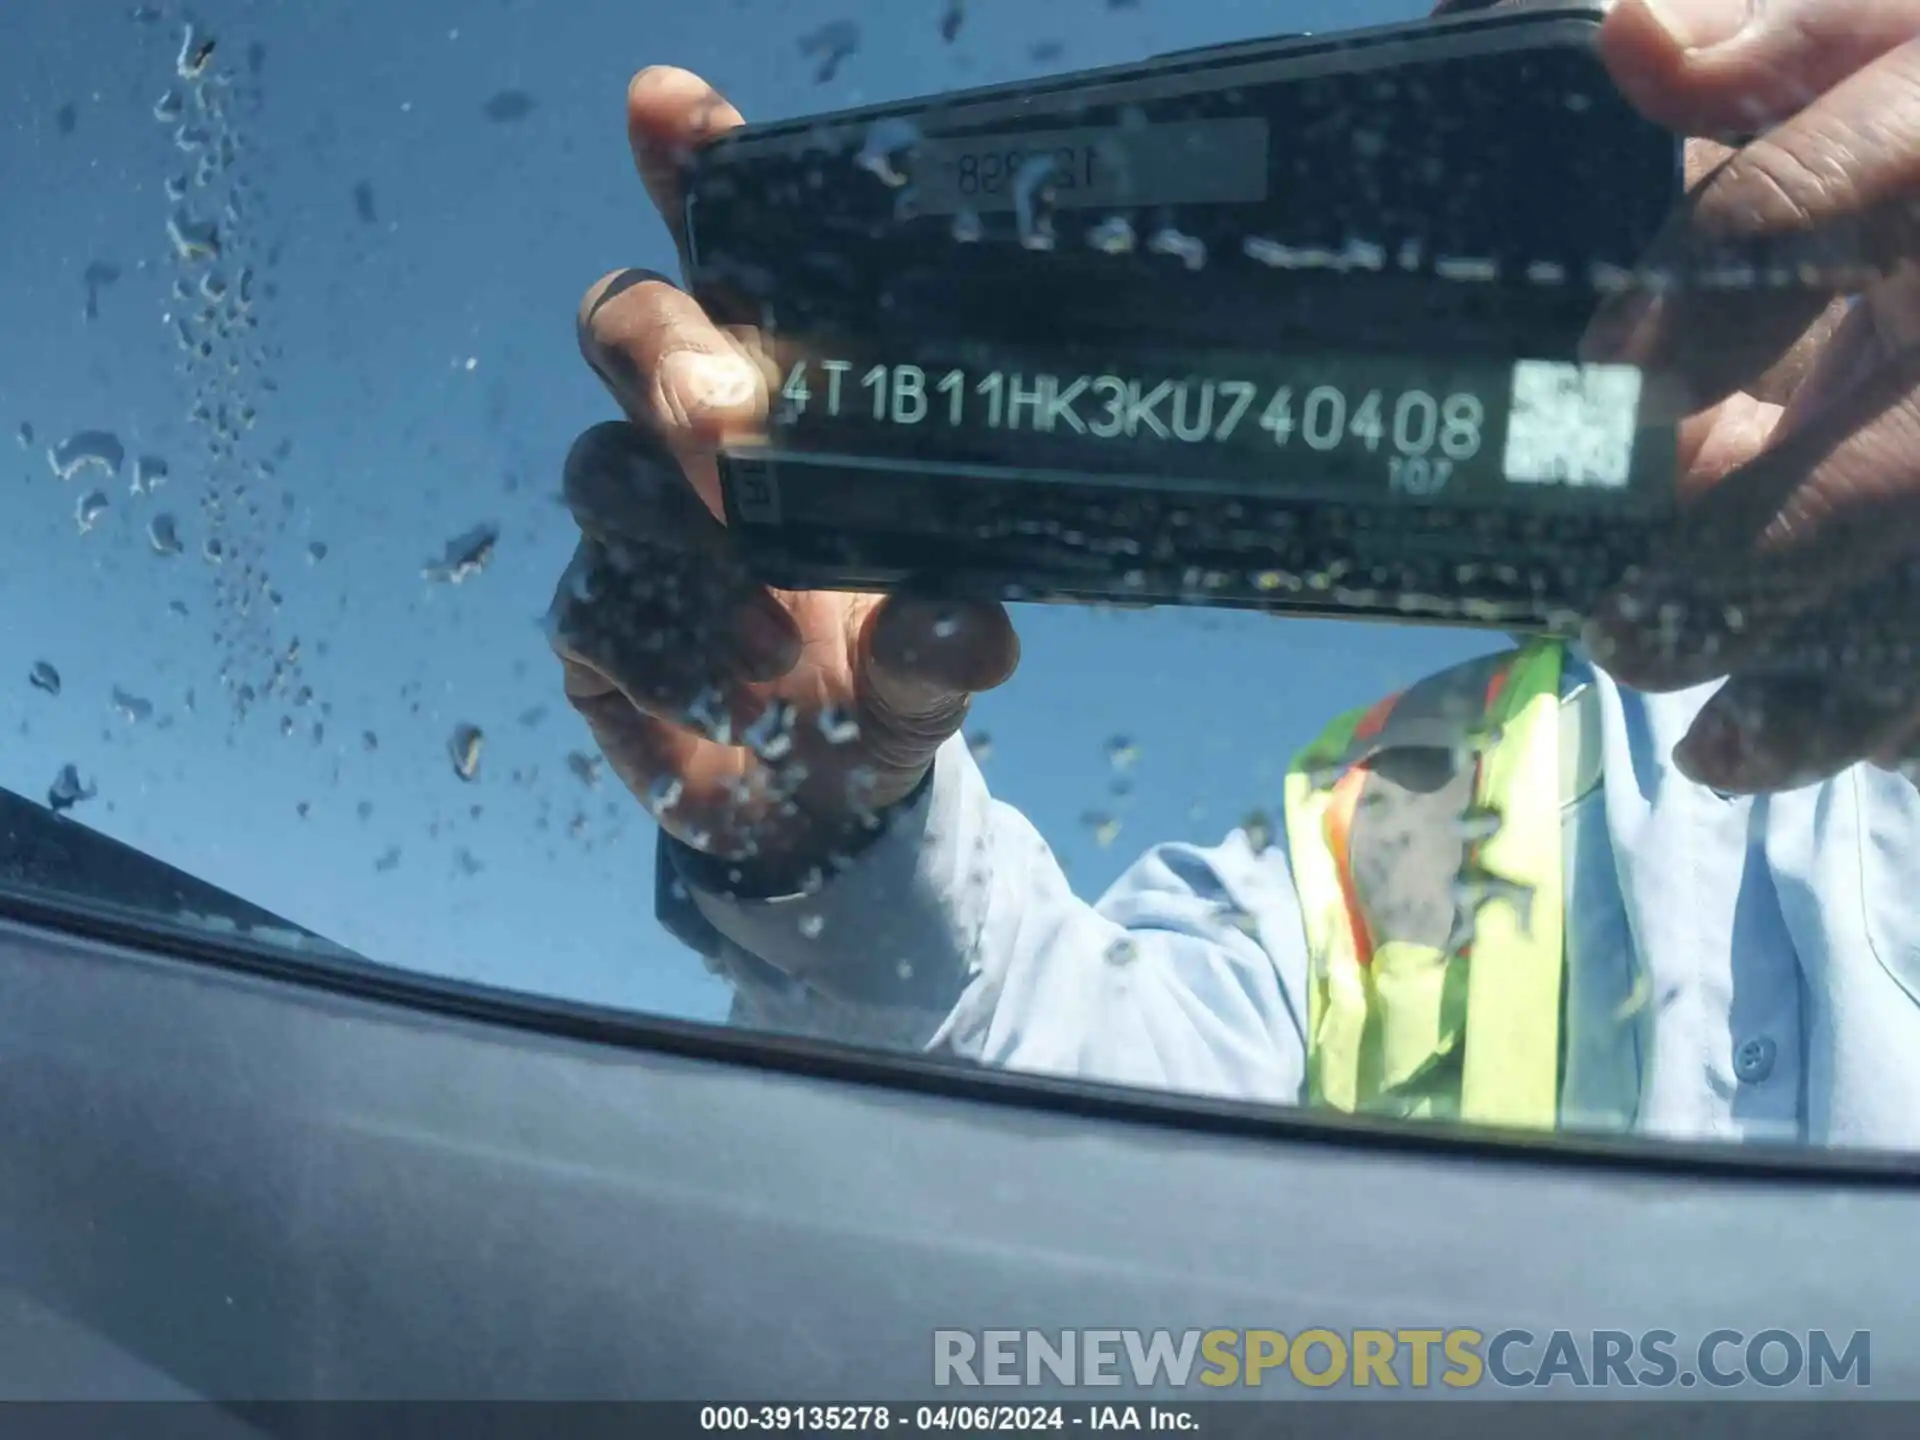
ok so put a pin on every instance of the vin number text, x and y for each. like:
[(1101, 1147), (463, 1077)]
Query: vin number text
[(1418, 436)]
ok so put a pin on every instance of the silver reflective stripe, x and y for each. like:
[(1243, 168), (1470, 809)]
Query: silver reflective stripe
[(1579, 743)]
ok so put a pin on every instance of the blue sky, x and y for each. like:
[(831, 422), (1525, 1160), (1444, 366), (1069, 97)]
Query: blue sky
[(412, 374)]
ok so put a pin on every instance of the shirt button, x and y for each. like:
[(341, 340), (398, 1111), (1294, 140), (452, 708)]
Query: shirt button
[(1753, 1061)]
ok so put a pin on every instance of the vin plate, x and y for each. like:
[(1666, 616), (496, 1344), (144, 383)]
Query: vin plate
[(1190, 163), (1462, 428)]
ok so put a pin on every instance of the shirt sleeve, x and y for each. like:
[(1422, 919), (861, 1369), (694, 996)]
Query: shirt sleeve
[(956, 932)]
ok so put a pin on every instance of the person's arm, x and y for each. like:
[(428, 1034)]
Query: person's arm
[(957, 932)]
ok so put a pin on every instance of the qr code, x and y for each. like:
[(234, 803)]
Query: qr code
[(1572, 424)]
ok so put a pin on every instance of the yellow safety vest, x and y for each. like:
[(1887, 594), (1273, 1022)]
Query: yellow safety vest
[(1426, 848)]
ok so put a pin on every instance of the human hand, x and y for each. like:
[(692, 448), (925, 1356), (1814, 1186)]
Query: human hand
[(763, 727), (1794, 570)]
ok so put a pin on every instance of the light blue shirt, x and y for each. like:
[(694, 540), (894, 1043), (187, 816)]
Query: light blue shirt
[(1737, 968)]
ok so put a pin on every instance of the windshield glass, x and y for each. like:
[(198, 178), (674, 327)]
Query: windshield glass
[(1375, 572)]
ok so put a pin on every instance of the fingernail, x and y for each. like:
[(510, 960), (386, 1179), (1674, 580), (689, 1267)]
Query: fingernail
[(696, 383), (1703, 24), (768, 643)]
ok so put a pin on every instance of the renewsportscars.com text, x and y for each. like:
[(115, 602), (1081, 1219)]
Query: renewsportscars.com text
[(1409, 1358)]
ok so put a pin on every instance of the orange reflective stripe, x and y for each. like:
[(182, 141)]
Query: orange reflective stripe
[(1340, 810), (1375, 720), (1496, 686)]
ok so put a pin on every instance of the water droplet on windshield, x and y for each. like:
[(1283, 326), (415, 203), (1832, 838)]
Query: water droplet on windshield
[(885, 139), (316, 552), (1476, 888), (1476, 824), (812, 926), (1122, 753), (1031, 207), (586, 768), (1190, 250), (44, 677), (97, 449), (67, 790), (508, 106), (1232, 916), (149, 474), (829, 46), (708, 716), (1113, 236), (133, 708), (162, 535), (663, 794), (1123, 951), (980, 744), (465, 748), (466, 556), (89, 509), (838, 725), (1258, 828), (196, 49), (1104, 827), (771, 736), (192, 238), (1468, 268)]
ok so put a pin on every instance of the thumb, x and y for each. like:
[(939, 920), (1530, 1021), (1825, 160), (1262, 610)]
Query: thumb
[(918, 664), (1737, 67)]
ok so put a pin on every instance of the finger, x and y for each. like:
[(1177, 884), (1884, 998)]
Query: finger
[(1822, 205), (1737, 67), (670, 368), (654, 600), (651, 757), (1715, 443), (1854, 351), (1902, 751), (921, 648), (918, 663), (1764, 734), (670, 112), (623, 483), (665, 638), (709, 796), (1830, 509)]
